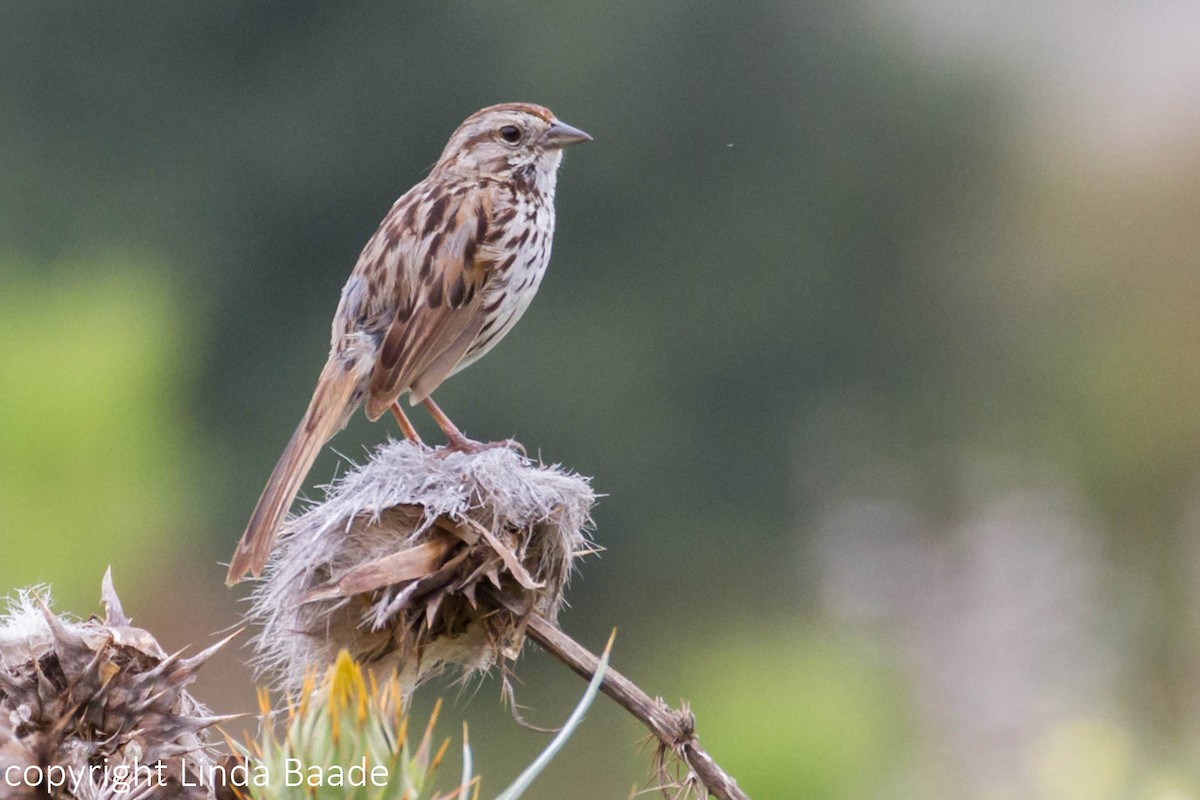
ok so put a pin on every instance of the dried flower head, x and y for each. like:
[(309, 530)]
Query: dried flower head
[(418, 560), (90, 709)]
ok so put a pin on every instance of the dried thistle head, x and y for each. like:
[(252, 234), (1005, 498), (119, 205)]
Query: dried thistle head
[(343, 735), (419, 560), (84, 703)]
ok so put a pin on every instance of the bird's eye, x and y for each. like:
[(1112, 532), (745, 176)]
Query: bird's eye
[(510, 134)]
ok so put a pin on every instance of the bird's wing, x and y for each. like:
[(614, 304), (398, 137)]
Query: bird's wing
[(438, 308)]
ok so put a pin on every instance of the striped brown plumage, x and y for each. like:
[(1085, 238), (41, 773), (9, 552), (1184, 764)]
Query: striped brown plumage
[(450, 270)]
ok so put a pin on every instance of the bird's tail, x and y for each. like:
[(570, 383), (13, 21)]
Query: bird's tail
[(331, 406)]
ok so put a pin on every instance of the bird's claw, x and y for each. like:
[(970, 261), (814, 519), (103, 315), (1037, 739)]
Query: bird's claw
[(512, 444)]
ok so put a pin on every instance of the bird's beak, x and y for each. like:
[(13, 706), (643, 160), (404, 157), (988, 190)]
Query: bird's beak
[(561, 134)]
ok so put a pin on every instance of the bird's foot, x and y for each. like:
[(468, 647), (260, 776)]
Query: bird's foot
[(462, 444)]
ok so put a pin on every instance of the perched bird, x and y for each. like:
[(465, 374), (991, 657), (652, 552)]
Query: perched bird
[(453, 266)]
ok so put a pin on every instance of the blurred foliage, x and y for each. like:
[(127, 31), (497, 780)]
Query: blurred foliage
[(94, 449), (1083, 760), (796, 713)]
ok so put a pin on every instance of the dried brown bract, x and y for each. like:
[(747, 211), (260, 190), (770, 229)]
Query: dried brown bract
[(419, 560)]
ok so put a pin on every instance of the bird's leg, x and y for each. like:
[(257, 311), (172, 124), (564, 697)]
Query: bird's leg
[(458, 441), (406, 427)]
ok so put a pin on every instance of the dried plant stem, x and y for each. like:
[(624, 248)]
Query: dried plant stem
[(676, 730)]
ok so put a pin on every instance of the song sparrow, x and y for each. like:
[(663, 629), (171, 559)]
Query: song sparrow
[(451, 269)]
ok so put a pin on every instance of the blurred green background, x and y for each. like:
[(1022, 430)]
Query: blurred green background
[(876, 323)]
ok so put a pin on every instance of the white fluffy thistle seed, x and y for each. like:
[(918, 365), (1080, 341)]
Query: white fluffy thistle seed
[(419, 560)]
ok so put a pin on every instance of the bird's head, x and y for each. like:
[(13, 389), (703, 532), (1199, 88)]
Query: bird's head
[(513, 140)]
